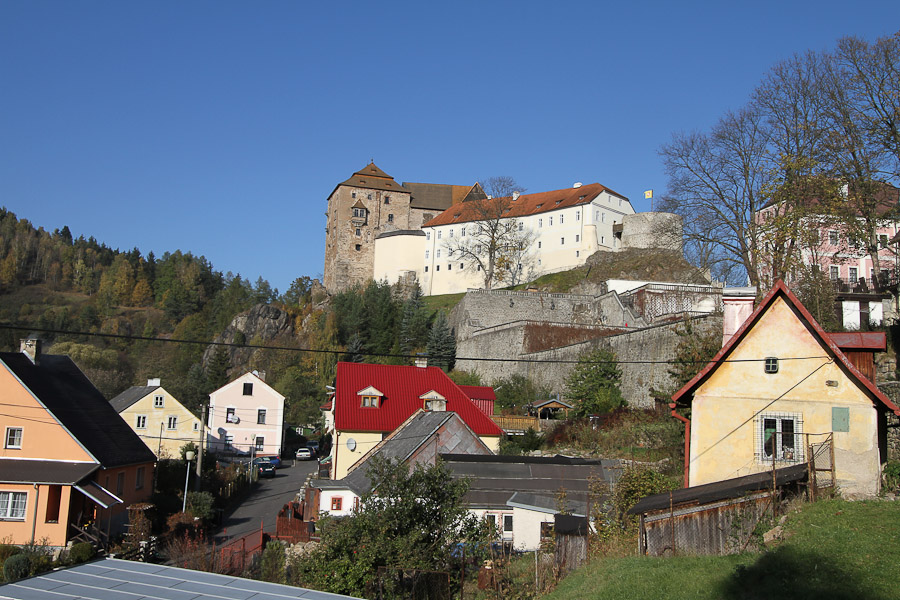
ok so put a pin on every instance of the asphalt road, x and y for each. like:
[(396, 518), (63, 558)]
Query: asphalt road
[(264, 502)]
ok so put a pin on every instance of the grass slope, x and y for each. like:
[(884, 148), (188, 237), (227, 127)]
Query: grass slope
[(832, 550)]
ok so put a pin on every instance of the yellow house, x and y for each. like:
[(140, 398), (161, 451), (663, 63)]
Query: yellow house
[(780, 384), (161, 421)]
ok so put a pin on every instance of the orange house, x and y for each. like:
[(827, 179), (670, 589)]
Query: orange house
[(69, 465)]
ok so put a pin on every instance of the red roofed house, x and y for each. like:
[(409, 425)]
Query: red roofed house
[(778, 385), (370, 401), (482, 395)]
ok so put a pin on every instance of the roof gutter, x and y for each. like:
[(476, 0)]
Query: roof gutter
[(687, 442)]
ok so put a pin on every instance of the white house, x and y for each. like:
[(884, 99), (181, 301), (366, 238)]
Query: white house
[(246, 416)]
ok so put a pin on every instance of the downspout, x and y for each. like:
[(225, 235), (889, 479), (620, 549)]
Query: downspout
[(687, 443), (37, 495)]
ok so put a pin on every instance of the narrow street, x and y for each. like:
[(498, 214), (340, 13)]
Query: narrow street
[(264, 502)]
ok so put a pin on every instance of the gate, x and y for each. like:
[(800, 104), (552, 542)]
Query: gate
[(821, 463)]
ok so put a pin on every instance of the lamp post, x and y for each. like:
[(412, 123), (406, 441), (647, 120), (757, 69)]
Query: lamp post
[(188, 457)]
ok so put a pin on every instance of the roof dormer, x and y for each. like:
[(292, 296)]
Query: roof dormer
[(433, 401), (370, 397)]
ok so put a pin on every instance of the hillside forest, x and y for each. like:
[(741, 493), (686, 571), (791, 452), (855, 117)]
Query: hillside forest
[(124, 317)]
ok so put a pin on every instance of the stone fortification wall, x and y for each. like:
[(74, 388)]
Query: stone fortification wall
[(480, 309), (652, 230), (646, 348)]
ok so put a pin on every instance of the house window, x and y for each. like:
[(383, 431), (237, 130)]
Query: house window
[(437, 267), (438, 254), (540, 223), (462, 232), (260, 443), (159, 401), (507, 523), (358, 232), (577, 238), (451, 233), (427, 252), (449, 267), (492, 519), (172, 422), (261, 416), (139, 478), (428, 235), (577, 253), (141, 422), (390, 218), (358, 247), (387, 199), (561, 219), (12, 505), (602, 239), (833, 238), (603, 217), (14, 437), (539, 262), (229, 441), (426, 268), (368, 196), (439, 234), (120, 484), (353, 194), (578, 216), (854, 274), (539, 244), (547, 531), (549, 221), (337, 503), (779, 437), (196, 425), (562, 241), (883, 240), (834, 272), (461, 267), (248, 389), (370, 401), (54, 499), (771, 365), (521, 226), (230, 417)]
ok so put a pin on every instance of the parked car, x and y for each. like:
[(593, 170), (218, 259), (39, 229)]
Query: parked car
[(304, 454), (313, 447), (264, 467), (276, 462)]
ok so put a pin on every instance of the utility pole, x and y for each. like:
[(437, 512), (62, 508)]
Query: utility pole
[(200, 447)]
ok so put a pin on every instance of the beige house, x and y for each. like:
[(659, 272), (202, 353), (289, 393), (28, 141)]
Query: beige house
[(779, 385), (246, 416), (161, 421)]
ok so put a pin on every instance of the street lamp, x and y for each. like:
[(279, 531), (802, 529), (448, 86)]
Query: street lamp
[(188, 457)]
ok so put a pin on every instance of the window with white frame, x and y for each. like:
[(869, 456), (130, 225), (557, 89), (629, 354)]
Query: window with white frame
[(577, 238), (141, 422), (260, 443), (12, 505), (540, 223), (833, 238), (834, 272), (451, 232), (172, 422), (854, 274), (159, 401), (562, 219), (13, 438), (578, 216), (261, 416), (439, 234), (428, 235), (507, 523), (549, 221), (779, 437), (370, 401), (462, 232), (427, 252), (230, 417)]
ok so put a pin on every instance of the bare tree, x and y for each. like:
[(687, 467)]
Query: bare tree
[(491, 244), (501, 186)]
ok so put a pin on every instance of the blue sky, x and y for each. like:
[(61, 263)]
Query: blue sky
[(220, 128)]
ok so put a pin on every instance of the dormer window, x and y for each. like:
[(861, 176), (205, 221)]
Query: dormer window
[(359, 213), (433, 401), (370, 397)]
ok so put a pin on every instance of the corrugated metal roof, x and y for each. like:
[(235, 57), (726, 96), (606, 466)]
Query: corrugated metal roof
[(875, 341), (401, 387), (479, 392)]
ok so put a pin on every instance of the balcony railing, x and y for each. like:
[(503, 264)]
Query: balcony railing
[(884, 282)]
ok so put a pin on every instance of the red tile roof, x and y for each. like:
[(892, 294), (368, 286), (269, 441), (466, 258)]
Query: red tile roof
[(829, 344), (401, 387), (524, 205), (479, 392)]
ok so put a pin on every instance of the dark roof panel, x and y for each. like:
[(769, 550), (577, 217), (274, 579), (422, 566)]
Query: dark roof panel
[(14, 470), (68, 394), (131, 395)]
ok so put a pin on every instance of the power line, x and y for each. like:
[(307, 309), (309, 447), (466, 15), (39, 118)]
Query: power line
[(338, 353)]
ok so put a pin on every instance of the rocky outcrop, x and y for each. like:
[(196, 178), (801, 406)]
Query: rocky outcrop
[(262, 324)]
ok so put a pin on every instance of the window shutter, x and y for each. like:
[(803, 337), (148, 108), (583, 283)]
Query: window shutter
[(840, 419)]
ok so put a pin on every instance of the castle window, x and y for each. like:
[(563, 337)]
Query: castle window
[(358, 247), (428, 235), (359, 213), (462, 232), (603, 217), (540, 223), (353, 194), (438, 254), (549, 221), (426, 254), (562, 241), (449, 267), (478, 267), (426, 268), (437, 268), (358, 232), (577, 253), (602, 239), (439, 233), (387, 199), (577, 238), (539, 245), (369, 197), (521, 225), (390, 218), (539, 262), (578, 216), (451, 233), (561, 217), (461, 267)]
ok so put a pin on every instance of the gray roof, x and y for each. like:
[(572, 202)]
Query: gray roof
[(435, 196), (14, 470), (546, 503), (398, 448), (70, 397), (387, 234), (495, 480), (132, 395), (116, 578)]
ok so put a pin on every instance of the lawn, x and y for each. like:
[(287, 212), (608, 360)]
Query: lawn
[(832, 550)]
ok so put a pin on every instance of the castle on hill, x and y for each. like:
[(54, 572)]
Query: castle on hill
[(380, 229)]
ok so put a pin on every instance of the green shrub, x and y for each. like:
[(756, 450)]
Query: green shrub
[(81, 552), (201, 505), (891, 476), (16, 567), (636, 482), (7, 550)]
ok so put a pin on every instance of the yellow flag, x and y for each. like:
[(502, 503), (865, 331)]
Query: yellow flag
[(648, 194)]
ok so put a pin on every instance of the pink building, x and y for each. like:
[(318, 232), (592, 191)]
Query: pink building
[(246, 416)]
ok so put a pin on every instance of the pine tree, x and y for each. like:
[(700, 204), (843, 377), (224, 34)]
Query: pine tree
[(355, 349), (442, 344), (217, 369), (413, 323)]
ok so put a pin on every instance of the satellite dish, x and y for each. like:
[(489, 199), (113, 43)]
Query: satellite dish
[(351, 444)]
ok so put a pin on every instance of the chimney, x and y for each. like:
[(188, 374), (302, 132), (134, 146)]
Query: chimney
[(738, 305), (155, 382), (32, 349), (515, 196), (260, 374), (421, 360), (577, 184)]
